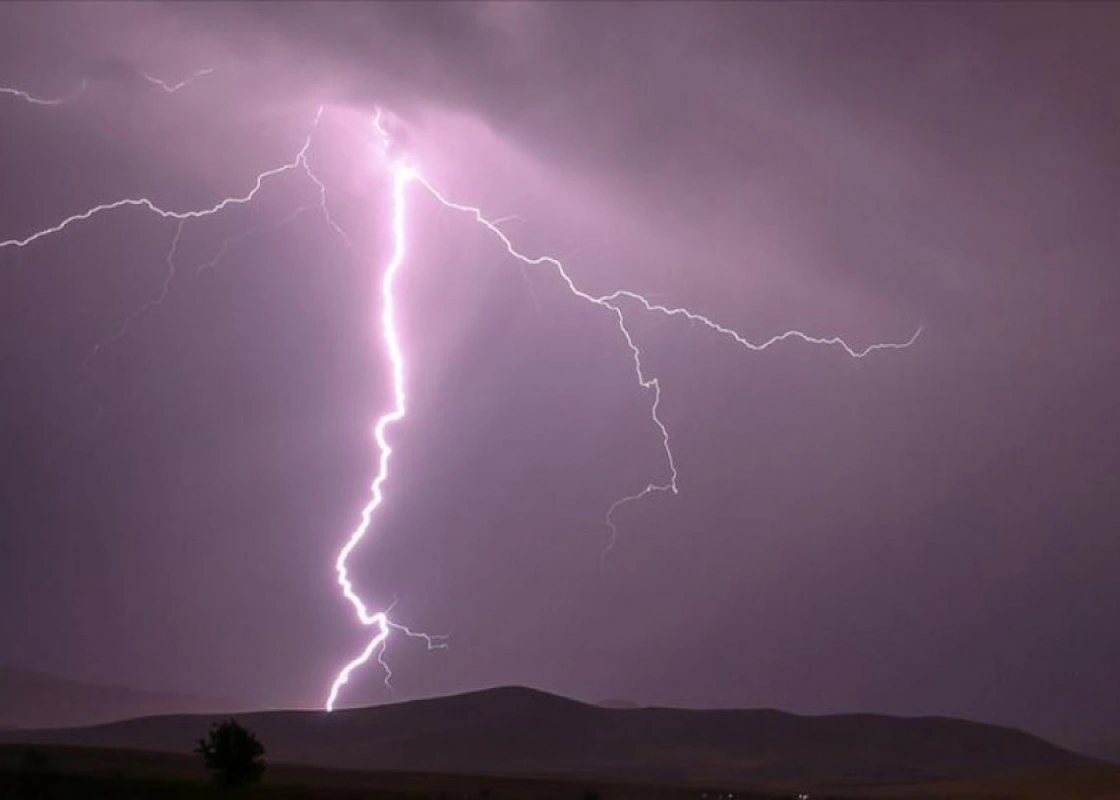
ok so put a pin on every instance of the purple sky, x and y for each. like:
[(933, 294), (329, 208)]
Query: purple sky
[(925, 531)]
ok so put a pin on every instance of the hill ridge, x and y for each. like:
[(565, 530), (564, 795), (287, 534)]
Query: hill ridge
[(521, 730)]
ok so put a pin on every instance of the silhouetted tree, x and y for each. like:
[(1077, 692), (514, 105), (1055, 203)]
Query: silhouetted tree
[(233, 753)]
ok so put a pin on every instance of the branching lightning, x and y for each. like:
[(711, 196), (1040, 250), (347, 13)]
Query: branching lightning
[(122, 331), (404, 175), (35, 100), (143, 202), (83, 84), (401, 177), (171, 88)]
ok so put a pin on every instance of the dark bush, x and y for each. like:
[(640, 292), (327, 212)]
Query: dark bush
[(232, 753)]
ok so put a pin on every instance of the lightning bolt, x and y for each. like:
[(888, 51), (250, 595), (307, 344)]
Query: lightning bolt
[(122, 331), (171, 88), (150, 206), (299, 162), (83, 84), (403, 176), (35, 100)]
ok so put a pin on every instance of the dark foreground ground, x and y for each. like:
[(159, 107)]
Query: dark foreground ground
[(70, 773)]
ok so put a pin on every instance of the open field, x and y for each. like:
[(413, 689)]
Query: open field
[(75, 773), (78, 772), (1091, 784)]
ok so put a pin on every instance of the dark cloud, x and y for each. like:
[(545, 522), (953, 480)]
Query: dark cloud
[(924, 532)]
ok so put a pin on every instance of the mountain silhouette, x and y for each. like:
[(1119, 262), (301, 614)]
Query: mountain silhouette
[(523, 731)]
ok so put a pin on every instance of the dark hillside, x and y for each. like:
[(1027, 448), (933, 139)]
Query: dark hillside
[(516, 730)]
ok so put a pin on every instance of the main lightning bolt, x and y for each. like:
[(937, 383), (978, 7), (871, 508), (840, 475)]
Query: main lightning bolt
[(403, 175), (171, 88)]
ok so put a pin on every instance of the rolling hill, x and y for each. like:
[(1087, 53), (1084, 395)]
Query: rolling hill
[(1107, 749), (34, 700), (523, 731)]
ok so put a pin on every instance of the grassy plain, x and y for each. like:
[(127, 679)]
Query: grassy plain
[(79, 773)]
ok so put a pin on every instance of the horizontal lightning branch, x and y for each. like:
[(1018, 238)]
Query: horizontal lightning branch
[(83, 84), (35, 100)]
